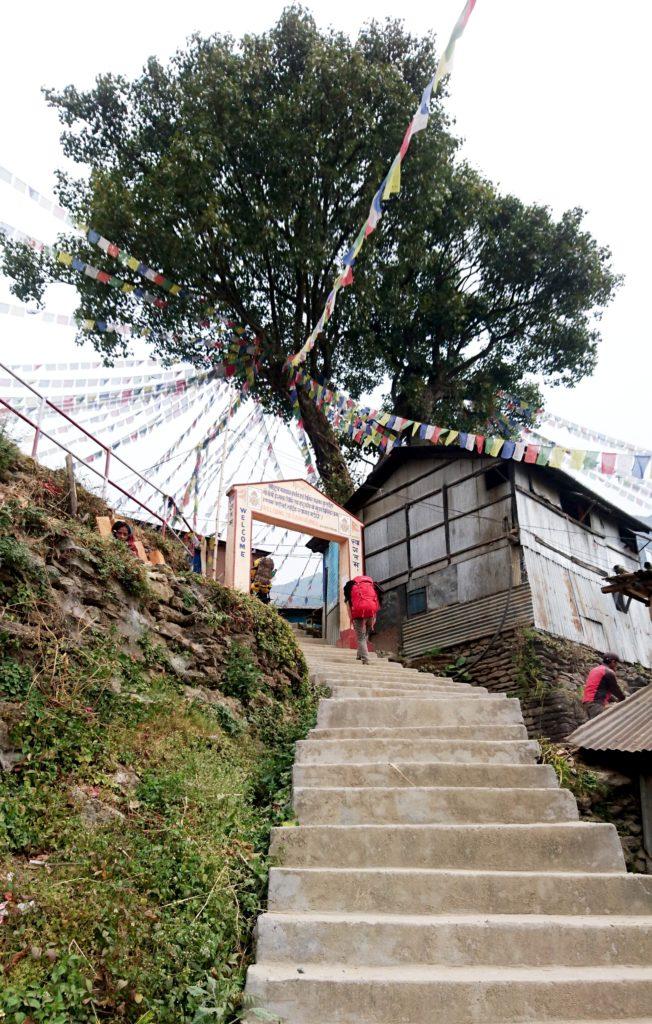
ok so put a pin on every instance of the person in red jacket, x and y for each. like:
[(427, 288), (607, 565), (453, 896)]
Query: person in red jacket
[(364, 598), (601, 687)]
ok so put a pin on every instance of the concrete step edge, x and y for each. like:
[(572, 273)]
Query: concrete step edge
[(640, 922), (451, 975), (467, 873), (485, 791)]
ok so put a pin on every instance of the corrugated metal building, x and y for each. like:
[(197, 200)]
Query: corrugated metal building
[(463, 544)]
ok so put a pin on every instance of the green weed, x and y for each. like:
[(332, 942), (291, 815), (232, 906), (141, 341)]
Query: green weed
[(242, 676), (571, 774), (15, 679), (148, 918), (9, 455)]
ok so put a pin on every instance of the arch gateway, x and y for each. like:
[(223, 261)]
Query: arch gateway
[(296, 505)]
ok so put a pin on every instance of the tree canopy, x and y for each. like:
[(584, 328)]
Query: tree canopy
[(244, 170), (471, 295)]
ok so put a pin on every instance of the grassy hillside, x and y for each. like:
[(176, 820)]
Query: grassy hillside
[(147, 720)]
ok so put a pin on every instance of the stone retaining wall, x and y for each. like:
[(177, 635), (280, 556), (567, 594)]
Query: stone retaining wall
[(547, 674)]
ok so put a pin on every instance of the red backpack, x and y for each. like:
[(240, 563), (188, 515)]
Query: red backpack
[(364, 600)]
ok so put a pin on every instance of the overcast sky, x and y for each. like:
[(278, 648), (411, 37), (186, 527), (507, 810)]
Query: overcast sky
[(552, 98)]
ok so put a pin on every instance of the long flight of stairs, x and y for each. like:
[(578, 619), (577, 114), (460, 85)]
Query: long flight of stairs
[(438, 873)]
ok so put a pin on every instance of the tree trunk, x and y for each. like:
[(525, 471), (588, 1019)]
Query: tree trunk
[(331, 464), (332, 467)]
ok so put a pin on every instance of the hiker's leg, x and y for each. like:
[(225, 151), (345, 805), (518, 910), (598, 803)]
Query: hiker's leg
[(360, 627)]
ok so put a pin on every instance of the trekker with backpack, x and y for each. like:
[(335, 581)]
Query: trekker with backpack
[(364, 599)]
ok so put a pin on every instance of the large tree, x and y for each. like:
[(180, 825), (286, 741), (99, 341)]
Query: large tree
[(471, 293), (244, 170)]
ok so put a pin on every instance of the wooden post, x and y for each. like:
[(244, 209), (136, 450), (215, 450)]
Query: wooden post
[(37, 432), (107, 463), (72, 486), (645, 783)]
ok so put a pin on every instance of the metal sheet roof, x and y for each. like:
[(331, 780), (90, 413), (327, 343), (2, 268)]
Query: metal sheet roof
[(429, 452), (626, 726)]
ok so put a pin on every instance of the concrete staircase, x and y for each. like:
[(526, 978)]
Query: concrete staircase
[(438, 873)]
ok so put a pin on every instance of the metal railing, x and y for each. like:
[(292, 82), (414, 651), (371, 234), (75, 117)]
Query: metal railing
[(109, 455)]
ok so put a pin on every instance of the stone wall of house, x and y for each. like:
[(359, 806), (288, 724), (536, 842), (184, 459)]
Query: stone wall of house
[(616, 798), (547, 674)]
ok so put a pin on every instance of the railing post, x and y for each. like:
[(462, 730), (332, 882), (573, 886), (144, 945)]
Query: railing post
[(107, 463), (37, 432), (220, 486)]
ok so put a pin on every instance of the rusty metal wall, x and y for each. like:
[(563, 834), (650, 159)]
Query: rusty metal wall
[(472, 620)]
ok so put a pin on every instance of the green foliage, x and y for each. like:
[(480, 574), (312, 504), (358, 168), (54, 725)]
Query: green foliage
[(9, 454), (571, 774), (530, 678), (57, 999), (148, 918), (31, 519), (117, 562), (471, 293), (188, 598), (22, 577), (114, 560), (262, 158), (458, 669), (242, 676), (227, 720), (432, 652), (154, 655), (15, 679)]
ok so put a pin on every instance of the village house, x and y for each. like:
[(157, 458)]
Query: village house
[(466, 546)]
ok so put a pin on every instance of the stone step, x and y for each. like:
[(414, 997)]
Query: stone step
[(400, 711), (431, 805), (422, 732), (351, 994), (377, 940), (380, 681), (351, 658), (370, 676), (337, 654), (361, 751), (415, 773), (458, 891), (374, 669), (343, 692), (379, 672), (571, 846)]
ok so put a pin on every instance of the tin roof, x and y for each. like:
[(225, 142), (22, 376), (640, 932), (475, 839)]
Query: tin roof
[(425, 450), (626, 726)]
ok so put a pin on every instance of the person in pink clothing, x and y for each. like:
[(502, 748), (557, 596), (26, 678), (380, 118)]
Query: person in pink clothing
[(364, 599)]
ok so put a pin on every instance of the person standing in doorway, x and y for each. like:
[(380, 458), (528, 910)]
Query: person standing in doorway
[(601, 687), (364, 599)]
